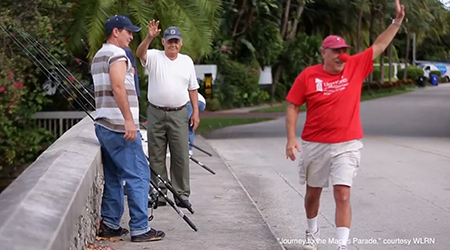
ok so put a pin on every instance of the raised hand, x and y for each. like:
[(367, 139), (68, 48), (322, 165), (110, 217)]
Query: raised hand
[(153, 30), (399, 10)]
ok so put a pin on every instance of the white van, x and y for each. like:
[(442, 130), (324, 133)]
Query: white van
[(428, 67)]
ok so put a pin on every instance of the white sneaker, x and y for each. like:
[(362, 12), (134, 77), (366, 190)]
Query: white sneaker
[(190, 152), (311, 240)]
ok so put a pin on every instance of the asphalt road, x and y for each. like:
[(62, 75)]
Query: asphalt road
[(401, 196), (424, 112)]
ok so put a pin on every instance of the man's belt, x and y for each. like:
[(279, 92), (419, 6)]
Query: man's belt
[(167, 108)]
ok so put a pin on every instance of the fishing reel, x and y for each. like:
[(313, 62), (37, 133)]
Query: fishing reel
[(152, 200)]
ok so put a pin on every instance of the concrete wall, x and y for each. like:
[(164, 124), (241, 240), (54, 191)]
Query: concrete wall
[(55, 203)]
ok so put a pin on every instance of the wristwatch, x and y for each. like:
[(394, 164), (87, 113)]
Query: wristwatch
[(394, 23)]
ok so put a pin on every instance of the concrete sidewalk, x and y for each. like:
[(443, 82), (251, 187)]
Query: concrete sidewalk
[(225, 216)]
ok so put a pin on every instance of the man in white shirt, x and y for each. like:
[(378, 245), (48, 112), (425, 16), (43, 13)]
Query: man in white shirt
[(172, 83)]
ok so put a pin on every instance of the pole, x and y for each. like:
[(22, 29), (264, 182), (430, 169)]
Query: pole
[(414, 49)]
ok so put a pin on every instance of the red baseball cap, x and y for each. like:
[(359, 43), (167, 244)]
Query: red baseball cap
[(334, 42)]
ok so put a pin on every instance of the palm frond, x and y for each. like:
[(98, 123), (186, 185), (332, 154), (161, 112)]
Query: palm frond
[(77, 29), (96, 25), (140, 14), (88, 23), (192, 17)]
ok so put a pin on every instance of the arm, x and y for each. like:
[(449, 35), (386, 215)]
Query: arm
[(153, 32), (117, 73), (292, 111), (385, 38), (296, 98), (193, 96), (141, 51)]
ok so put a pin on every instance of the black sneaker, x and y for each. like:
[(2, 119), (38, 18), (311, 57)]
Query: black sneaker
[(107, 232), (152, 235)]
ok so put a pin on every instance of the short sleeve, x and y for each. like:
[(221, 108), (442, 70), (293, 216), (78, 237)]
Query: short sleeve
[(297, 92), (151, 54), (193, 82), (119, 56), (362, 63)]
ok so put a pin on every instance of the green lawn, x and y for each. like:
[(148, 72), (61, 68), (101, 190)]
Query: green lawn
[(278, 108), (364, 97), (385, 93), (211, 123)]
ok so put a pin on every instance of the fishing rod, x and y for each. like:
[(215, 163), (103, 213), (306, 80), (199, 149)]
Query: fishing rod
[(45, 70), (172, 204), (68, 76), (200, 149), (202, 165)]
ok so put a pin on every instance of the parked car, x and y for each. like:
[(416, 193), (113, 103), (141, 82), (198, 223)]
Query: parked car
[(428, 67)]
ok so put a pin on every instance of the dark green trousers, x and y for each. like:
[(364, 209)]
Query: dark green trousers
[(169, 127)]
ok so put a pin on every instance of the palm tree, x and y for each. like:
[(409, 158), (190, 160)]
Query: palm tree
[(197, 20), (426, 19)]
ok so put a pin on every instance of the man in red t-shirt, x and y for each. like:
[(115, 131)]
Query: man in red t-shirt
[(332, 131)]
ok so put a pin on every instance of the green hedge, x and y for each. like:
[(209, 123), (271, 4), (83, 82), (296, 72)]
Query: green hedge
[(435, 72), (237, 85), (411, 73)]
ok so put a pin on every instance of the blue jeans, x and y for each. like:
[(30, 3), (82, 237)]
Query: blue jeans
[(201, 107), (124, 161)]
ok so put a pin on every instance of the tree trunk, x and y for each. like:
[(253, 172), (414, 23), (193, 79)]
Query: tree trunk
[(382, 68), (384, 52), (371, 30), (286, 18), (358, 45), (290, 38), (276, 79), (249, 21), (293, 33), (408, 45), (390, 61), (241, 13)]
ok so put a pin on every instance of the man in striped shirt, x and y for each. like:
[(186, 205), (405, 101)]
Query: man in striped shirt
[(116, 127)]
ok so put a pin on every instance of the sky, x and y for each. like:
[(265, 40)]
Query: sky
[(446, 2)]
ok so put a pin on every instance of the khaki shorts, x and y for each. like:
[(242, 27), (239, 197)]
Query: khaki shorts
[(321, 162)]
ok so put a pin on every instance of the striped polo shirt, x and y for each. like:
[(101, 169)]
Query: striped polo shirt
[(108, 113)]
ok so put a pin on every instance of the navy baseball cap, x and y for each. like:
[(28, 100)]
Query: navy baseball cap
[(120, 22), (172, 33)]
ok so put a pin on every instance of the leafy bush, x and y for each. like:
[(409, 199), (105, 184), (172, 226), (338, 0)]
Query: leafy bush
[(435, 72), (21, 141), (237, 84), (21, 95), (301, 53), (412, 73), (377, 73)]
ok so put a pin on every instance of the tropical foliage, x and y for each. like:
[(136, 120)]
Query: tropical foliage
[(21, 94)]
